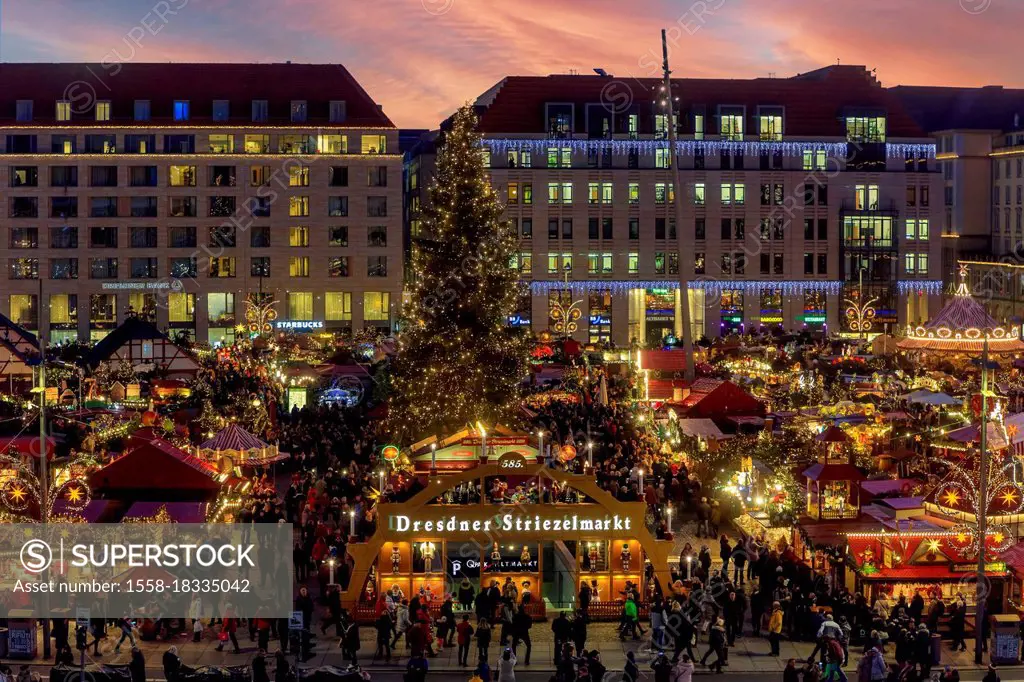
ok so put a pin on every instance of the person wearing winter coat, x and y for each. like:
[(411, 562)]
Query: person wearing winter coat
[(716, 645), (507, 666), (483, 638), (402, 623), (682, 671), (466, 594), (775, 628), (385, 627)]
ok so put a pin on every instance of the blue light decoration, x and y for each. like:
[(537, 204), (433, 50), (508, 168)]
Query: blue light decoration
[(788, 287), (690, 147), (518, 321), (927, 286), (616, 286), (717, 286)]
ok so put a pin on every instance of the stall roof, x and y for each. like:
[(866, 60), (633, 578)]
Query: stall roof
[(700, 428), (28, 445), (924, 572), (153, 469), (182, 512), (833, 472)]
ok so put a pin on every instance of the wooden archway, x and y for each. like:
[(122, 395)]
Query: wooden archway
[(604, 506)]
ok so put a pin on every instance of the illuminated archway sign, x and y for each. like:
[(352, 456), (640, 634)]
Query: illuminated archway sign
[(543, 519)]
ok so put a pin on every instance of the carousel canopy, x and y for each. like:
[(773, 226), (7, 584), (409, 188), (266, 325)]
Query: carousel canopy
[(241, 446), (962, 326), (833, 434)]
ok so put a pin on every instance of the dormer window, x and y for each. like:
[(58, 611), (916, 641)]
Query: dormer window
[(103, 110), (769, 124), (298, 111), (259, 111), (730, 123), (63, 110), (181, 110), (337, 111), (23, 110), (142, 110), (559, 120), (865, 128), (221, 110)]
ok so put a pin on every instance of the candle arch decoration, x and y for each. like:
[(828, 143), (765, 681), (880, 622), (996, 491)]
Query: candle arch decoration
[(18, 492)]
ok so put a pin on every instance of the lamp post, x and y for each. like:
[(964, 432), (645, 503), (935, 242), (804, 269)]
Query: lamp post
[(979, 583)]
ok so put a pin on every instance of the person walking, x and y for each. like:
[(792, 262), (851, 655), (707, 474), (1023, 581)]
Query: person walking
[(716, 645), (465, 634), (682, 671), (483, 639), (872, 667), (416, 669), (521, 624), (350, 639), (137, 666), (385, 627), (630, 672), (579, 629), (228, 633), (561, 629), (775, 628)]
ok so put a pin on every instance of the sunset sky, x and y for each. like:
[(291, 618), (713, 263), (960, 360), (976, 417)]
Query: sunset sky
[(422, 58)]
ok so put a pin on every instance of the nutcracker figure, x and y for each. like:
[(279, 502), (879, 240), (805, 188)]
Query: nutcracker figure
[(370, 591), (593, 558), (495, 558), (428, 557), (625, 556), (396, 558), (525, 556)]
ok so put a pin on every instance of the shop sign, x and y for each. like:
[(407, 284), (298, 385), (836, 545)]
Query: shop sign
[(299, 325), (110, 286), (475, 441), (596, 320), (990, 567), (510, 523)]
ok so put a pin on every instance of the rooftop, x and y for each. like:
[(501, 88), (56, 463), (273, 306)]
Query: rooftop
[(815, 102), (162, 85)]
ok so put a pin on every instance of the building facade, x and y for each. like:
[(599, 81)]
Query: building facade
[(187, 193), (797, 195)]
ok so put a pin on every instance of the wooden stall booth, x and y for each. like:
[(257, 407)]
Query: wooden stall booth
[(428, 547)]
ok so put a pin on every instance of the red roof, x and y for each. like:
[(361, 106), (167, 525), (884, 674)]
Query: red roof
[(716, 398), (814, 102), (663, 360), (833, 472), (153, 469), (200, 84)]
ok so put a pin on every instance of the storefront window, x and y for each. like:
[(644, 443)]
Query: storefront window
[(23, 311), (338, 306), (376, 306), (732, 310), (102, 311), (143, 305), (181, 308), (600, 317), (814, 309), (771, 307), (300, 305), (660, 313), (220, 309)]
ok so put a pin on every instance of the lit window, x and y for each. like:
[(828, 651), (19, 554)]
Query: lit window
[(181, 110), (698, 194), (513, 192), (298, 176), (300, 305), (662, 158), (698, 126), (606, 193), (338, 306), (770, 128), (376, 306), (634, 263), (298, 206), (181, 307), (332, 144), (865, 129), (298, 236), (374, 144), (103, 111), (634, 193), (731, 127), (63, 110), (298, 266)]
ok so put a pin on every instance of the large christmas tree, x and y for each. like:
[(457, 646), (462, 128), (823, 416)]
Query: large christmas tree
[(458, 359)]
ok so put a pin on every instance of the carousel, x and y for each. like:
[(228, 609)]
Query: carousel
[(960, 330), (234, 447)]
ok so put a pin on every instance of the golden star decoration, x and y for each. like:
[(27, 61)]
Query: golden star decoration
[(74, 494), (998, 537), (1009, 497), (952, 498), (933, 545), (961, 537), (18, 493)]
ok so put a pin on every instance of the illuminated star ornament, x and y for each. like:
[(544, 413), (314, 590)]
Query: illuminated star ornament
[(933, 545), (951, 497), (1009, 497)]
